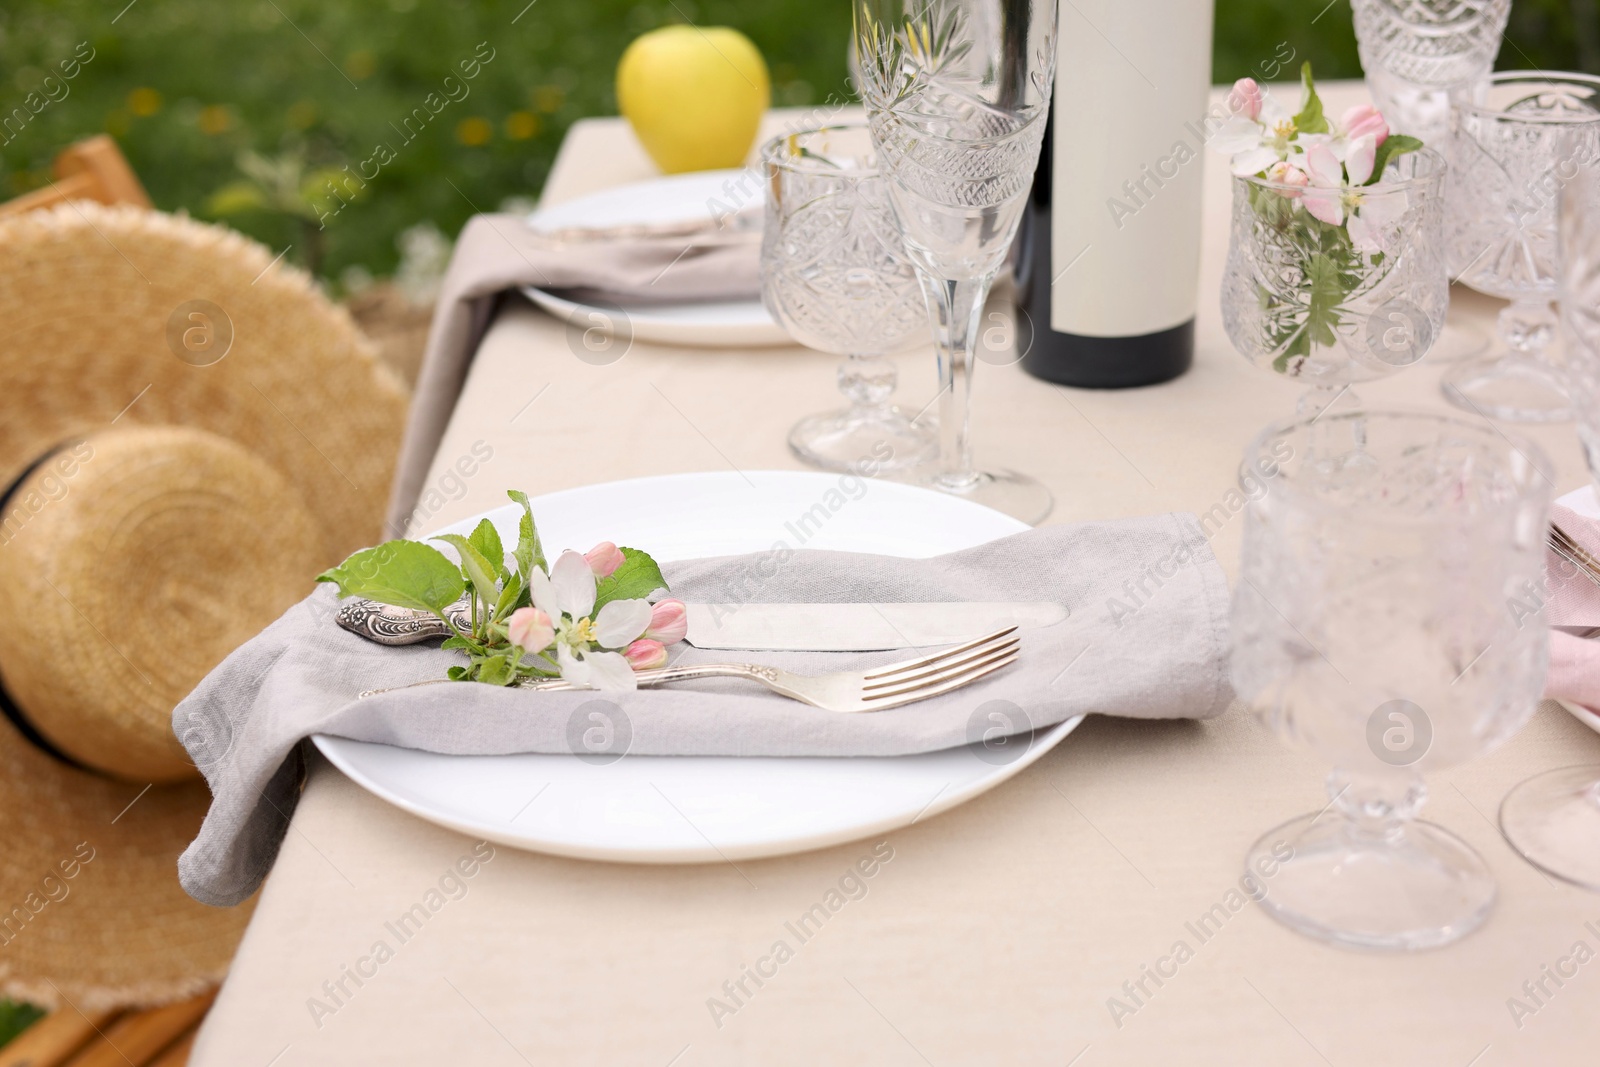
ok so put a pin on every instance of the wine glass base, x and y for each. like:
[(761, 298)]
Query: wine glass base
[(870, 441), (1015, 494), (1512, 389), (1417, 888), (1553, 821)]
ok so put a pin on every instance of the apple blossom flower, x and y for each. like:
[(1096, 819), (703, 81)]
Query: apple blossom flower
[(530, 629), (1245, 96), (669, 622), (585, 646), (604, 558), (644, 654), (1339, 196), (1256, 141)]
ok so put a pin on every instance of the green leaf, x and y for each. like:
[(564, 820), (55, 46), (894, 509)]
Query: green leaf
[(404, 574), (530, 553), (1396, 144), (486, 539), (1310, 119), (635, 579), (508, 597), (1327, 292), (497, 670), (480, 572), (235, 198), (456, 674)]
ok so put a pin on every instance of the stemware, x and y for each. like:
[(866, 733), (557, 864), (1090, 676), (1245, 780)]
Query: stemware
[(957, 93), (1414, 52), (1553, 819), (835, 274), (1304, 300), (1515, 137), (1370, 626)]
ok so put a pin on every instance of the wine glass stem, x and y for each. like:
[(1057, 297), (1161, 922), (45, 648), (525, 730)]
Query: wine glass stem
[(1377, 808), (955, 307)]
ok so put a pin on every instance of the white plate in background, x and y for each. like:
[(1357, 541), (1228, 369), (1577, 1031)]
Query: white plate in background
[(704, 809), (676, 198)]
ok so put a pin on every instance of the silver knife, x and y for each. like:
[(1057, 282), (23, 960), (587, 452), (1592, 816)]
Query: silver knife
[(763, 627), (859, 627)]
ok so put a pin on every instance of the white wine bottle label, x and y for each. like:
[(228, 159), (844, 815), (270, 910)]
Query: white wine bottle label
[(1133, 79)]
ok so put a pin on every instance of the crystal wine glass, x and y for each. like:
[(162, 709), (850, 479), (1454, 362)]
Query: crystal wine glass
[(1553, 819), (957, 93), (1305, 300), (835, 273), (1515, 137), (1415, 51), (1369, 625)]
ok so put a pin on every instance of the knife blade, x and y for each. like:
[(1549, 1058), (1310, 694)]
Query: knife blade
[(763, 627), (859, 627)]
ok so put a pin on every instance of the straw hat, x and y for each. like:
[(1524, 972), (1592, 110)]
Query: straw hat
[(189, 432)]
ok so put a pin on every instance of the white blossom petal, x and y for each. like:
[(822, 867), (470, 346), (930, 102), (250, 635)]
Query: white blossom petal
[(620, 621), (609, 670), (1359, 158), (572, 668), (1325, 204), (1254, 161), (1272, 112), (1364, 235), (574, 584), (1236, 135), (1324, 168), (544, 595)]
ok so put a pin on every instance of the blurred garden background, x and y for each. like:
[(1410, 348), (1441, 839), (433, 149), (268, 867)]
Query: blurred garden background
[(235, 110)]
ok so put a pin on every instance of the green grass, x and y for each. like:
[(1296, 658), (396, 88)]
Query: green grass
[(15, 1018), (187, 85)]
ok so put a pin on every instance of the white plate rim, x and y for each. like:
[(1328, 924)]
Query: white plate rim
[(336, 751)]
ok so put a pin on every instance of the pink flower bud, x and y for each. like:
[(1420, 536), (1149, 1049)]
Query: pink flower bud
[(531, 629), (604, 558), (1362, 120), (1245, 98), (644, 654), (1288, 174), (668, 622)]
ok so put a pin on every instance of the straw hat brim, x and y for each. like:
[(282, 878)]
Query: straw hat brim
[(119, 930)]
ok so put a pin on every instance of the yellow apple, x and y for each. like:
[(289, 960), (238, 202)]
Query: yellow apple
[(694, 95)]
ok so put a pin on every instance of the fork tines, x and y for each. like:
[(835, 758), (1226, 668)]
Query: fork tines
[(944, 671), (1568, 549)]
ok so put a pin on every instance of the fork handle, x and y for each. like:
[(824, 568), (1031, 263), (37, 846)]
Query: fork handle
[(659, 675)]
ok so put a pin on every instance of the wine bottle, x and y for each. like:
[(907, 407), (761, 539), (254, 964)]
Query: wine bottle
[(1108, 257)]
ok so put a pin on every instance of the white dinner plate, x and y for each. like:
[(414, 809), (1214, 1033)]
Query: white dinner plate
[(1584, 503), (678, 198), (692, 809)]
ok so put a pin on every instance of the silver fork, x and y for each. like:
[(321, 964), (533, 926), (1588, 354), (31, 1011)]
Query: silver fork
[(1563, 545), (842, 691)]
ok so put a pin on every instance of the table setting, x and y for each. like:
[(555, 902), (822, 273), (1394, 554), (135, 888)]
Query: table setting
[(1073, 665)]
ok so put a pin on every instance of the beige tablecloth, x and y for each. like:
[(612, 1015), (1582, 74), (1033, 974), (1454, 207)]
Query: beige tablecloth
[(998, 933)]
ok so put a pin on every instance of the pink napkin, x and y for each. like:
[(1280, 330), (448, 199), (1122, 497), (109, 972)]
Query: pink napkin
[(1572, 606)]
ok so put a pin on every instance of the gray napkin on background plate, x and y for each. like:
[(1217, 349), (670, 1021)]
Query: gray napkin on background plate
[(495, 253), (1146, 637)]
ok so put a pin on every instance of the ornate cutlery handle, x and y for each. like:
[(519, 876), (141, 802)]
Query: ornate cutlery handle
[(388, 625)]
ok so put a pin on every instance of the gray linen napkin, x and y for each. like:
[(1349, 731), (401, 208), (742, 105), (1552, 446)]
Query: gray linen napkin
[(1147, 637), (499, 252)]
